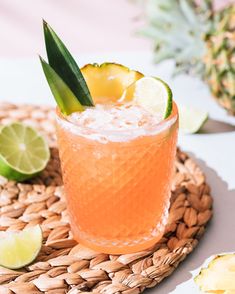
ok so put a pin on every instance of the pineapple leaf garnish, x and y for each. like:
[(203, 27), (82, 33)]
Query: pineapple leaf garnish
[(65, 66), (65, 98), (165, 19)]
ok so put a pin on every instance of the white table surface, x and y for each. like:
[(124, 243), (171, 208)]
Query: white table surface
[(22, 81)]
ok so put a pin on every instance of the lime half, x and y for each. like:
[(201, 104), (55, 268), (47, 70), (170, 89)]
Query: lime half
[(17, 249), (152, 94), (23, 152), (191, 119)]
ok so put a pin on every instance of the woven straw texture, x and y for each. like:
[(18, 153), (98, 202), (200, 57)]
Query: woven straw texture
[(63, 266)]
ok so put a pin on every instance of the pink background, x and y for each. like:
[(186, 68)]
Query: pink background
[(85, 25)]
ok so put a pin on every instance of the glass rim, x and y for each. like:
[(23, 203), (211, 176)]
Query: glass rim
[(158, 128)]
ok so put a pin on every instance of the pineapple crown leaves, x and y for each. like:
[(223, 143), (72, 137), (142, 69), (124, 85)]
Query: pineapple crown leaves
[(64, 77), (178, 31)]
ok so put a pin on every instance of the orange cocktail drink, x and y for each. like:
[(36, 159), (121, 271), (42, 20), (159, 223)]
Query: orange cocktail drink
[(117, 132), (117, 176)]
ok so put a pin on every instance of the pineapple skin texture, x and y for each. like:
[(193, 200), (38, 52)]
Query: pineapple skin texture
[(220, 59), (199, 39)]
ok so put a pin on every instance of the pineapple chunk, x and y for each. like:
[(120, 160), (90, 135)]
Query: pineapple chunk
[(221, 292), (219, 276), (108, 81), (216, 292)]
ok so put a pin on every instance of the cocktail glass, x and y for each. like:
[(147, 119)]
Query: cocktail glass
[(118, 192)]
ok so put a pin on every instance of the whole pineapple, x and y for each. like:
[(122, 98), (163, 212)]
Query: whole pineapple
[(201, 40)]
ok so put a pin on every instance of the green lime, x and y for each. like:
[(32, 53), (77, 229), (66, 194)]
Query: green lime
[(23, 152), (18, 249), (191, 119), (152, 94)]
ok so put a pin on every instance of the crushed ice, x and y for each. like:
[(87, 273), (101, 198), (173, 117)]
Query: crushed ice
[(115, 118), (115, 123)]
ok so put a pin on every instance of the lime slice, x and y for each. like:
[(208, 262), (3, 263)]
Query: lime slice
[(18, 249), (191, 119), (152, 94), (23, 152)]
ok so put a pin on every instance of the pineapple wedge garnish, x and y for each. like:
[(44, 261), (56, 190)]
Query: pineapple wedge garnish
[(219, 276)]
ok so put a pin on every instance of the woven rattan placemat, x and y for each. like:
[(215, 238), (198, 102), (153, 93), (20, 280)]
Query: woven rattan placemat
[(63, 266)]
